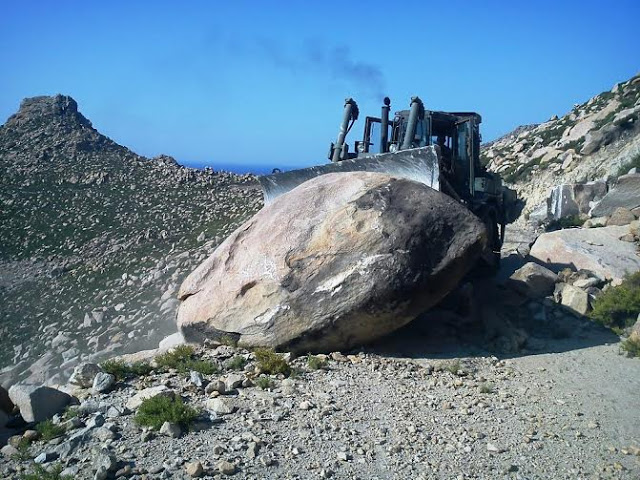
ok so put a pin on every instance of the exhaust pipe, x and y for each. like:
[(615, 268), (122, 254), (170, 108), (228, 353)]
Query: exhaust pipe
[(384, 125), (350, 115), (416, 113)]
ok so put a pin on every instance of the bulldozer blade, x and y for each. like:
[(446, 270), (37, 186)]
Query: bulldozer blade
[(419, 164)]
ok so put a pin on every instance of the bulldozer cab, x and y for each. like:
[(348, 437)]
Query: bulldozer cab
[(455, 136)]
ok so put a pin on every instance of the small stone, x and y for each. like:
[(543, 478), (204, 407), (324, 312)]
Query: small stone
[(288, 386), (95, 421), (31, 435), (194, 469), (106, 460), (45, 457), (84, 374), (233, 381), (196, 379), (493, 449), (585, 283), (215, 386), (103, 434), (72, 424), (218, 450), (226, 468), (252, 450), (342, 456), (338, 357), (172, 430), (9, 451), (101, 474), (124, 471), (221, 406), (114, 412), (304, 405), (103, 382)]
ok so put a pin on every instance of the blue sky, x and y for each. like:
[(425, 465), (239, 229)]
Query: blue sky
[(254, 82)]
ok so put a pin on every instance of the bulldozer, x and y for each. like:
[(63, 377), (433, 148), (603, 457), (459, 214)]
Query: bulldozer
[(439, 149)]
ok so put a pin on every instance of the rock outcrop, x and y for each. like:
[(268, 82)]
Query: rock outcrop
[(595, 140), (599, 250), (339, 261), (625, 194)]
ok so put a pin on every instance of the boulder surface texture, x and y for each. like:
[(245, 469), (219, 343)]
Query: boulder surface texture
[(625, 194), (533, 280), (598, 250), (340, 260)]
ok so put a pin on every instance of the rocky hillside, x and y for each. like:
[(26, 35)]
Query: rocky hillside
[(95, 239), (597, 139)]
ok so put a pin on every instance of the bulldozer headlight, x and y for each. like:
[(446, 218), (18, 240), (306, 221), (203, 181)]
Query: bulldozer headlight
[(361, 148), (393, 147)]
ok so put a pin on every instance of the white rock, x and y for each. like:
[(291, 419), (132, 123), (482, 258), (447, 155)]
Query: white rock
[(575, 299), (221, 406), (103, 382), (172, 430), (233, 380)]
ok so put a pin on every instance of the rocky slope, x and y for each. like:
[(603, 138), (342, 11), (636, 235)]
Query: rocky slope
[(95, 239), (595, 140), (409, 408)]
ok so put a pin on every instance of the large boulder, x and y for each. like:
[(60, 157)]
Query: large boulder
[(6, 405), (626, 193), (37, 402), (621, 216), (533, 280), (599, 250), (339, 261), (575, 299), (574, 198)]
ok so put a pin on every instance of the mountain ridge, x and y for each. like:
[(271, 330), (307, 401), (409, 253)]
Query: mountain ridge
[(87, 225)]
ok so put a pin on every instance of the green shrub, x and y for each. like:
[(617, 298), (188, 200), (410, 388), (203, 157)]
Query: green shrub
[(48, 430), (41, 473), (236, 363), (228, 340), (123, 370), (631, 346), (177, 357), (153, 412), (183, 358), (270, 362), (23, 450), (264, 383), (452, 367), (70, 412), (618, 307), (315, 363), (485, 387)]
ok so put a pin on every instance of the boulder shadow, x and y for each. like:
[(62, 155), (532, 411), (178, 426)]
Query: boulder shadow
[(484, 319)]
